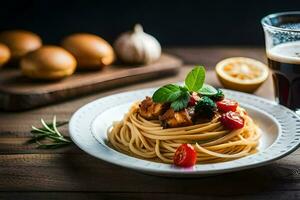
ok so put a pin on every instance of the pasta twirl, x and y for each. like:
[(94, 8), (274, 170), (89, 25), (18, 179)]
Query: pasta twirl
[(147, 139)]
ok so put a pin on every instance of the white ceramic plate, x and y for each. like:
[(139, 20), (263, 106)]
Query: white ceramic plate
[(280, 134)]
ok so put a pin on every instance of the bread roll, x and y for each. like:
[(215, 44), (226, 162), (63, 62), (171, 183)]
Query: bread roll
[(48, 62), (90, 51), (4, 54), (20, 42)]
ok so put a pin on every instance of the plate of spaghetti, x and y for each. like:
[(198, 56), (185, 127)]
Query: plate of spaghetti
[(186, 129)]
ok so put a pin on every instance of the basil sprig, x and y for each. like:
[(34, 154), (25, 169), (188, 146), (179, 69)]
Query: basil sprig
[(195, 79), (181, 102), (167, 93), (179, 96), (208, 90)]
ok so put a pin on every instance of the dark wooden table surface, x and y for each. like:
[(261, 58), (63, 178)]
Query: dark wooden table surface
[(29, 173)]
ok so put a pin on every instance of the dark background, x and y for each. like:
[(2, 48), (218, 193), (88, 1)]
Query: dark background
[(174, 23)]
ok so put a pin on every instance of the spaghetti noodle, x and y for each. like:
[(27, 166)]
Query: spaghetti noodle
[(148, 139)]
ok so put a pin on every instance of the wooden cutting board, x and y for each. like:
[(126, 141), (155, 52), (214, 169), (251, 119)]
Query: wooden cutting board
[(20, 93)]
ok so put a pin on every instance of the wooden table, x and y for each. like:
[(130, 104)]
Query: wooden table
[(29, 173)]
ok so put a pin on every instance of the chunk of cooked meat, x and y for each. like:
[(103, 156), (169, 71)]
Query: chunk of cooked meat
[(176, 119), (150, 110)]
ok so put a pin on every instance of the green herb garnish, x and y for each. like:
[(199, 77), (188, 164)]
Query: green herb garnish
[(179, 96), (167, 93), (49, 137), (219, 96), (195, 79), (206, 106), (208, 90), (181, 102)]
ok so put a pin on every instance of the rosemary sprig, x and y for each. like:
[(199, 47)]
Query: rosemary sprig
[(49, 137)]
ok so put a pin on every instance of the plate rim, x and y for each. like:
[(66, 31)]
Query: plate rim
[(181, 172)]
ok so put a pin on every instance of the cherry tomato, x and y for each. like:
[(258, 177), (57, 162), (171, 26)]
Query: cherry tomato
[(185, 156), (232, 120), (227, 105), (192, 101), (194, 98)]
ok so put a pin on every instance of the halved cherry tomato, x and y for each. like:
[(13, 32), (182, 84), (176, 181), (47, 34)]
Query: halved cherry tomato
[(194, 98), (232, 120), (227, 105), (192, 101), (185, 156)]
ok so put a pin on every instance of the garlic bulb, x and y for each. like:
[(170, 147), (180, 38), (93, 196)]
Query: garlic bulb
[(137, 47)]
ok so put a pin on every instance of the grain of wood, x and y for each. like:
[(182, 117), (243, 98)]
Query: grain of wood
[(68, 172), (290, 195)]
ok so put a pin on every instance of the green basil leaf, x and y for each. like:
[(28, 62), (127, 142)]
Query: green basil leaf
[(183, 89), (181, 102), (167, 93), (208, 90), (219, 96), (195, 79)]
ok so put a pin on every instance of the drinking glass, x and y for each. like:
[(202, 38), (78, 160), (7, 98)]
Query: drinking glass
[(282, 38)]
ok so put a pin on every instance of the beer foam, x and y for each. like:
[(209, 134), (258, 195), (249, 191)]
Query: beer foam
[(286, 53)]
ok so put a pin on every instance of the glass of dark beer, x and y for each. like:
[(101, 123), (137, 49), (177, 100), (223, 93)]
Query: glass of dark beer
[(282, 37)]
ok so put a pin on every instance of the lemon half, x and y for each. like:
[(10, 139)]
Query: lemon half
[(242, 74)]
